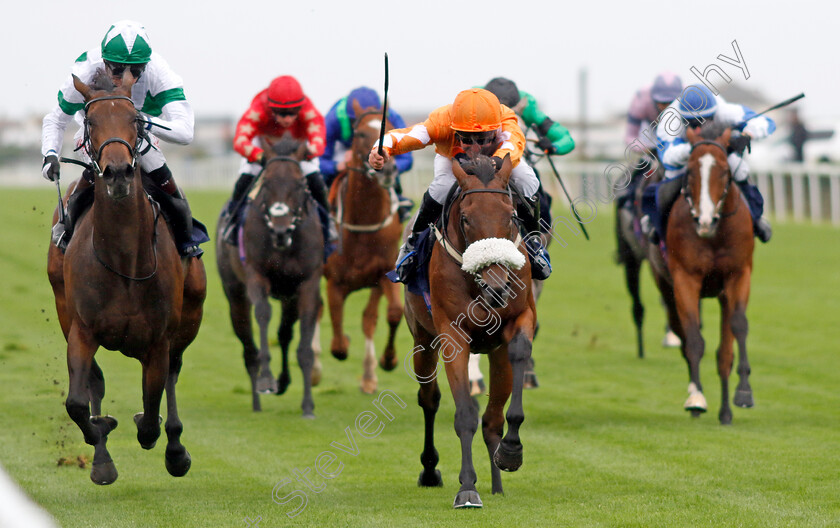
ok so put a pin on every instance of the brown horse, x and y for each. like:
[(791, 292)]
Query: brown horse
[(481, 302), (281, 257), (709, 237), (122, 285), (370, 232)]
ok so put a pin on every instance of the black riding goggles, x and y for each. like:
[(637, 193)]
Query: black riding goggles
[(476, 138), (117, 68), (286, 112)]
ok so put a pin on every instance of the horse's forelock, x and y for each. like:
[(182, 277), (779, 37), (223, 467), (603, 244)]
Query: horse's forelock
[(102, 82), (482, 167), (286, 146), (712, 130)]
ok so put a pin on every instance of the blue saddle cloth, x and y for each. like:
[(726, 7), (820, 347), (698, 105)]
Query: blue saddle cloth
[(417, 281)]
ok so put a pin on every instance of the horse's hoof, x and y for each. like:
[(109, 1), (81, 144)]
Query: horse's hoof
[(105, 423), (104, 473), (388, 363), (508, 458), (178, 461), (531, 381), (467, 499), (432, 480), (743, 399), (283, 382), (309, 415), (315, 377), (267, 385), (725, 417), (368, 385), (477, 387), (671, 340), (696, 402), (695, 413), (147, 440)]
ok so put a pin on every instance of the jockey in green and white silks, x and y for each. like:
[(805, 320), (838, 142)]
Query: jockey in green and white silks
[(158, 94)]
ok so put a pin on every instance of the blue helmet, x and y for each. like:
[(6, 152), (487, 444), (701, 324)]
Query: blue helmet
[(667, 87), (366, 97), (697, 101)]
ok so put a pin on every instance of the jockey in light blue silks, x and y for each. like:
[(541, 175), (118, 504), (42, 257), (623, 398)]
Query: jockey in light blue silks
[(697, 105)]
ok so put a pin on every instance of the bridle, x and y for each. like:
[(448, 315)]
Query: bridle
[(686, 190), (269, 212), (366, 169)]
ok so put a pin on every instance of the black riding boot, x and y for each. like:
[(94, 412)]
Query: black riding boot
[(318, 190), (230, 217), (429, 211), (177, 210), (529, 213), (667, 193), (761, 227)]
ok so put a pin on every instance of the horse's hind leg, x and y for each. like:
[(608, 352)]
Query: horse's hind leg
[(80, 351), (632, 265), (288, 317), (155, 375), (493, 420), (389, 361), (740, 327), (316, 346), (369, 318), (177, 458), (309, 304), (240, 317)]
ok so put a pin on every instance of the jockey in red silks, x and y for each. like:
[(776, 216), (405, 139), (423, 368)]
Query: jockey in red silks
[(280, 108)]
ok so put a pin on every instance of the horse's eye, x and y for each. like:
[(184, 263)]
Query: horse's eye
[(464, 220)]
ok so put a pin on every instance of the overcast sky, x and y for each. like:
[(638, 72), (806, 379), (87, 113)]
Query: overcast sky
[(227, 51)]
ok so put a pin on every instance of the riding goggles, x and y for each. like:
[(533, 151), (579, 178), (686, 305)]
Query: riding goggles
[(117, 68), (476, 138)]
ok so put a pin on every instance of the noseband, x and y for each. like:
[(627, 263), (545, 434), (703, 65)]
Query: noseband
[(686, 190), (298, 213)]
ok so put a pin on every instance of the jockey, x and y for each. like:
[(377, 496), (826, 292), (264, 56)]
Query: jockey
[(696, 105), (158, 94), (474, 123), (554, 138), (280, 108), (339, 124), (647, 105)]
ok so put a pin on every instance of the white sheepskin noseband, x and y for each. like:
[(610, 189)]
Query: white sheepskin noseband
[(486, 251)]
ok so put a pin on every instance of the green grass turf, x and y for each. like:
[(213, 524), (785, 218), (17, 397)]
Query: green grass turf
[(606, 440)]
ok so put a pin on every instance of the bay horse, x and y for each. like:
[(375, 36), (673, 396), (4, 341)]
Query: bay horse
[(481, 302), (279, 255), (709, 240), (122, 285), (370, 232)]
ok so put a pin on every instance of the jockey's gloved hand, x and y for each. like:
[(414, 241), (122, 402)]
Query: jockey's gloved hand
[(461, 157), (547, 146), (498, 161), (51, 168), (739, 144), (261, 159)]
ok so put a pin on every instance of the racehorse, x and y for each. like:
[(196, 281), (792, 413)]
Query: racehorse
[(370, 233), (122, 285), (481, 302), (279, 255), (632, 246), (709, 240)]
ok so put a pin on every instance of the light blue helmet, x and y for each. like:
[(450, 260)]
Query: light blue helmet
[(667, 87), (697, 101)]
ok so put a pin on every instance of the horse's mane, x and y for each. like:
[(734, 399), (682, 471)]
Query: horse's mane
[(712, 130), (286, 146), (102, 82), (482, 167)]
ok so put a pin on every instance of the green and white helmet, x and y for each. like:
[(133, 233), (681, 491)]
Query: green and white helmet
[(127, 42)]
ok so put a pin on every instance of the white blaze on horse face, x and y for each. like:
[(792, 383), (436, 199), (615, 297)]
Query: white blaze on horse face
[(707, 206), (375, 124), (279, 209)]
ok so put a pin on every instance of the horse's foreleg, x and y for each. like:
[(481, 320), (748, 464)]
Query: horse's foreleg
[(96, 388), (425, 362), (309, 304), (316, 346), (240, 318), (369, 318), (177, 458), (740, 328), (466, 420), (258, 295), (724, 358), (389, 360), (631, 277), (340, 342), (686, 301), (508, 456), (288, 317), (80, 351), (155, 375), (493, 419)]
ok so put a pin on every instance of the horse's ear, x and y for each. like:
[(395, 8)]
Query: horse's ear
[(357, 108), (725, 138), (692, 135), (503, 174), (300, 153), (81, 87), (128, 81), (460, 174)]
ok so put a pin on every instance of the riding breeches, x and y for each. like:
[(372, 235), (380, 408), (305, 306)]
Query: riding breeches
[(522, 177)]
